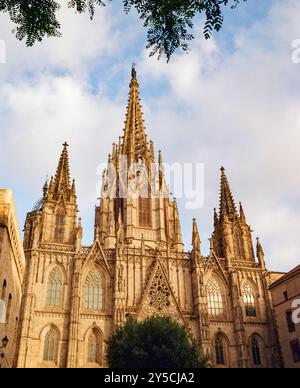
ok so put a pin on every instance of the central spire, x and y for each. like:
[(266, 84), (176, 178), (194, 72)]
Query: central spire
[(135, 145), (62, 176)]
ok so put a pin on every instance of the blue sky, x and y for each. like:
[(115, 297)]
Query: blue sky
[(231, 101)]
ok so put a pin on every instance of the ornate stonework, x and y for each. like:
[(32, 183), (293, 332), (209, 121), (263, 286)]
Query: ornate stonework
[(141, 269), (159, 292)]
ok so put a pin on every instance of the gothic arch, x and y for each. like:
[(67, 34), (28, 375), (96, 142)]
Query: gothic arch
[(217, 295), (249, 293), (50, 339), (96, 257), (257, 351), (221, 353), (59, 265), (58, 289), (94, 351), (94, 288)]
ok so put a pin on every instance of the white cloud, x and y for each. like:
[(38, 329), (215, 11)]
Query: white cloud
[(239, 109)]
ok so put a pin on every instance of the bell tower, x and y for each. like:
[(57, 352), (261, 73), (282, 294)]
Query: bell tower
[(54, 217)]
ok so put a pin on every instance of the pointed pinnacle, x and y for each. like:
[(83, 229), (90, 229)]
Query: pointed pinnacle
[(227, 205), (61, 182)]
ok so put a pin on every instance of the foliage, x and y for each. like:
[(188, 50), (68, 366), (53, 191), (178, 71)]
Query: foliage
[(156, 342), (169, 22)]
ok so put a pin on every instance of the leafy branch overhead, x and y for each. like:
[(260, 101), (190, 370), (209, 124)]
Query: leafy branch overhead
[(169, 23)]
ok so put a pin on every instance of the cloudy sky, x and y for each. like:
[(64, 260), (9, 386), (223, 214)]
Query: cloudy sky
[(232, 101)]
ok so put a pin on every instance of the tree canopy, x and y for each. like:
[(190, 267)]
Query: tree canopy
[(156, 342), (169, 23)]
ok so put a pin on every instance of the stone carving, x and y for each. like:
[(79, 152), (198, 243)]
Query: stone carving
[(121, 281), (159, 291)]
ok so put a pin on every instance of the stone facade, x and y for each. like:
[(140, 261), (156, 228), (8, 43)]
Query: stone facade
[(12, 269), (75, 295), (285, 291)]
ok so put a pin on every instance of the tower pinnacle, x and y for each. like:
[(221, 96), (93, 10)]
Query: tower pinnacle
[(227, 205), (133, 72), (134, 145), (61, 182)]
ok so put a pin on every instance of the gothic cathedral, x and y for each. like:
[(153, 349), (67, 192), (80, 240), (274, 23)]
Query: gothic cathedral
[(75, 295)]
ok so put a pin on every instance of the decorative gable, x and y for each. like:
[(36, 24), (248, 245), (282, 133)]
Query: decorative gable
[(158, 297)]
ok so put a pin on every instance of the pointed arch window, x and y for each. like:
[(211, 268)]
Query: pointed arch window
[(145, 212), (93, 348), (215, 298), (93, 290), (54, 290), (256, 351), (249, 300), (59, 226), (220, 350), (51, 345)]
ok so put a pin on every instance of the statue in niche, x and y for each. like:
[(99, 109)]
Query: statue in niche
[(121, 281), (36, 233)]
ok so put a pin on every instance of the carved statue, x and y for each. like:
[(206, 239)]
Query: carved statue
[(121, 282)]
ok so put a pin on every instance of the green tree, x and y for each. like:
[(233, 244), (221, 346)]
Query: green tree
[(156, 342), (169, 23)]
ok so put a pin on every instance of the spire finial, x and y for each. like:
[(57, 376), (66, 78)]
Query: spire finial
[(133, 72), (196, 242)]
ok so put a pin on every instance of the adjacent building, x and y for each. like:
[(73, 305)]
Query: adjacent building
[(74, 295), (12, 270), (286, 301)]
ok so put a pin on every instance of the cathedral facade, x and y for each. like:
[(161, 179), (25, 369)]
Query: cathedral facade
[(75, 295)]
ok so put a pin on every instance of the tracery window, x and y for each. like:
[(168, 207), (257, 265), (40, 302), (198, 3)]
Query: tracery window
[(51, 345), (249, 300), (215, 298), (159, 292), (54, 291), (93, 290)]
